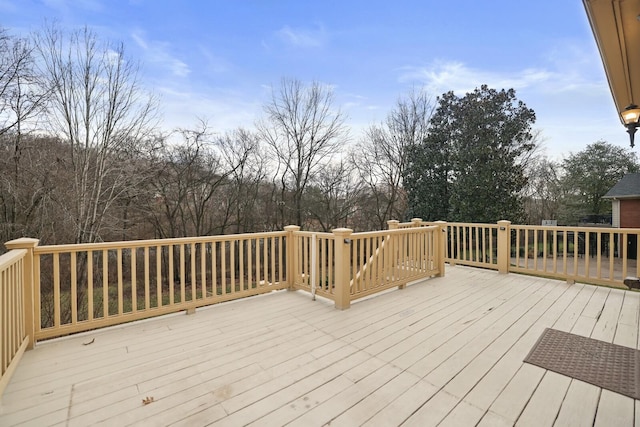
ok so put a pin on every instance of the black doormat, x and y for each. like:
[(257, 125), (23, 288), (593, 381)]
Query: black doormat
[(605, 365)]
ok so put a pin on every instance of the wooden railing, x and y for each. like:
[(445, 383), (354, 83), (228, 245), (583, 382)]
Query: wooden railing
[(14, 305), (604, 256), (56, 290), (83, 287), (80, 287), (345, 266), (314, 263), (475, 245), (50, 291), (384, 259), (595, 255)]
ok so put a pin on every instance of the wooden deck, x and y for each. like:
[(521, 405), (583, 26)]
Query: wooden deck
[(447, 351)]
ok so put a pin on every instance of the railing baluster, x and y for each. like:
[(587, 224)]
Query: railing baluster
[(183, 276), (158, 276), (89, 286), (544, 250), (587, 255), (250, 264), (223, 267), (304, 270), (358, 257), (273, 261), (637, 255), (379, 259), (476, 231), (5, 307), (194, 284), (611, 257), (265, 257), (232, 265), (576, 253), (147, 292), (555, 251), (12, 311), (280, 259), (241, 263), (73, 298), (203, 269), (331, 266), (134, 278), (625, 241), (120, 287), (171, 274), (37, 294), (56, 290), (214, 268)]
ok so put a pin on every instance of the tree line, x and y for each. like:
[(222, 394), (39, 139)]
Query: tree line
[(86, 160)]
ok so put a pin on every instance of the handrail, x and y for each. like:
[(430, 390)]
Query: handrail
[(152, 242)]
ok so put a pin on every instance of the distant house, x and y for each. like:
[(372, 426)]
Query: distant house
[(625, 202), (625, 207)]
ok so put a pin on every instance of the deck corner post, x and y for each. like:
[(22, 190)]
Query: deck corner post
[(416, 222), (28, 282), (342, 255), (393, 224), (440, 246), (504, 237), (290, 256)]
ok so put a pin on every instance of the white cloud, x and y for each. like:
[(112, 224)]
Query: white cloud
[(568, 66), (137, 37), (214, 63), (157, 52), (572, 102), (223, 110), (305, 38), (444, 76)]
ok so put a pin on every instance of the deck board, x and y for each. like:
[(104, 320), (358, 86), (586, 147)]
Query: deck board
[(446, 351)]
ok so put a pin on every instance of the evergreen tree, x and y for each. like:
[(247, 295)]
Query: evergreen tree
[(471, 166)]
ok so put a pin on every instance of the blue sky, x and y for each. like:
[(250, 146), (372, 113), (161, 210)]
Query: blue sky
[(217, 60)]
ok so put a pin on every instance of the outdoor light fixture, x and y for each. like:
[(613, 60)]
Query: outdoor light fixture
[(631, 119)]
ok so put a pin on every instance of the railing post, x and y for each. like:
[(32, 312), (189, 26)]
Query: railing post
[(417, 222), (393, 224), (440, 247), (504, 246), (28, 281), (292, 250), (342, 267)]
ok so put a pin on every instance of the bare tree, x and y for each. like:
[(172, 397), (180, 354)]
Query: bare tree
[(99, 108), (21, 98), (303, 131), (332, 198), (243, 156), (206, 185), (543, 193), (381, 156)]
